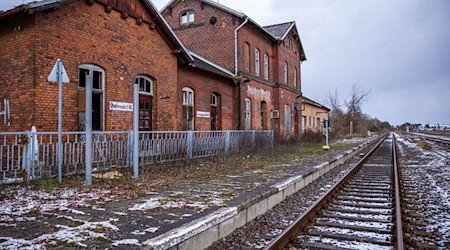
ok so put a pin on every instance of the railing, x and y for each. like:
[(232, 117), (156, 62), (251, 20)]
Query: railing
[(33, 155)]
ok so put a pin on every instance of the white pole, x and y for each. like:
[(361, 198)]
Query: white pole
[(88, 112), (136, 131), (59, 76)]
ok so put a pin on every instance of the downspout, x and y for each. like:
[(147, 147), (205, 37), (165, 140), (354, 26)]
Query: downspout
[(236, 69), (236, 45)]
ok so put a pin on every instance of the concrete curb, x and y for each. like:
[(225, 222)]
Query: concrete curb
[(202, 232)]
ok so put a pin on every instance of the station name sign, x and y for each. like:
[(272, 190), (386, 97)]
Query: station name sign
[(121, 106), (203, 114)]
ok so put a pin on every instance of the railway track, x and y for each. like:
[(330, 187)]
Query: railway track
[(361, 211), (438, 139)]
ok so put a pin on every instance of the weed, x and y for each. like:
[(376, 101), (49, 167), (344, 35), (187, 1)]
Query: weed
[(424, 145)]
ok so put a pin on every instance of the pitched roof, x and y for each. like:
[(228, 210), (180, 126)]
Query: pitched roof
[(279, 30), (205, 64), (314, 103), (31, 6)]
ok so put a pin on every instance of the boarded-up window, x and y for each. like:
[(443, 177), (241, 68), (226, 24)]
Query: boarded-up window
[(247, 57)]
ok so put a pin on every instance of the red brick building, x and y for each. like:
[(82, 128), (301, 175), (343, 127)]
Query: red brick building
[(120, 42), (266, 60)]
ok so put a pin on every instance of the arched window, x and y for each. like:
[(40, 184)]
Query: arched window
[(145, 102), (248, 114), (145, 84), (257, 65), (188, 108), (98, 85), (247, 57), (266, 67), (285, 72), (187, 17)]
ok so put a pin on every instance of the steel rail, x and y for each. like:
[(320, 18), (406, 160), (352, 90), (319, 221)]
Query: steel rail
[(398, 212), (304, 219)]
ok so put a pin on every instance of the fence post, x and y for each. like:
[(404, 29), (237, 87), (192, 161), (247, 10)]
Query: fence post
[(88, 114), (136, 131), (27, 156), (227, 141), (130, 149), (33, 152), (253, 138), (190, 143)]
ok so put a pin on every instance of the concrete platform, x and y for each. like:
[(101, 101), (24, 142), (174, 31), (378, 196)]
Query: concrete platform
[(202, 232), (187, 215)]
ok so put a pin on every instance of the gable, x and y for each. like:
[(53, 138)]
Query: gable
[(142, 10)]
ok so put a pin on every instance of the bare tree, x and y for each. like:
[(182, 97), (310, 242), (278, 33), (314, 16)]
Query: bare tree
[(334, 102), (357, 97)]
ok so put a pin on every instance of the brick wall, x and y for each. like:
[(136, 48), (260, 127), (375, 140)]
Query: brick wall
[(204, 84), (215, 42), (82, 34), (17, 71)]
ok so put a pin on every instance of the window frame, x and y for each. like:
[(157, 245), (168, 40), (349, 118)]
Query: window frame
[(101, 91), (145, 78), (257, 62), (188, 100), (214, 100), (285, 72), (188, 14), (266, 66)]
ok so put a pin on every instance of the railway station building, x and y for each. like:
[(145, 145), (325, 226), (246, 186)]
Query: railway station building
[(200, 66), (266, 61)]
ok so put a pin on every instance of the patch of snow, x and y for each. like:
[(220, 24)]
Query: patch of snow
[(134, 242), (74, 211), (151, 229), (120, 213)]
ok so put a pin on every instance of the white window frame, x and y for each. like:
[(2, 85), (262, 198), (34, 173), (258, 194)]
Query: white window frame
[(214, 100), (257, 64), (94, 90), (285, 73), (142, 89), (188, 97), (248, 111), (187, 17), (266, 67)]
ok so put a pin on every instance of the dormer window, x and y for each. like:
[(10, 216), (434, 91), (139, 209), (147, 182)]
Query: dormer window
[(187, 17)]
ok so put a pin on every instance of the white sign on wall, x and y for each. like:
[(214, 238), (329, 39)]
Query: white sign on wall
[(262, 92), (203, 114), (121, 106)]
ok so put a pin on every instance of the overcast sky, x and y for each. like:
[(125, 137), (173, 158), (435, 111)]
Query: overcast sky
[(398, 48)]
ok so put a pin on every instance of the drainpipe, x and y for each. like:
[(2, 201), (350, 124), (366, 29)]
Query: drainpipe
[(236, 45), (236, 69)]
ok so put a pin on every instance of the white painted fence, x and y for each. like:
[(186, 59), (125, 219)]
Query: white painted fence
[(31, 155)]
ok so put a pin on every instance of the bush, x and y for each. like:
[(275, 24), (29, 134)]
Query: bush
[(311, 136)]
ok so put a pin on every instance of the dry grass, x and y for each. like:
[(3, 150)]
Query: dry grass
[(157, 177)]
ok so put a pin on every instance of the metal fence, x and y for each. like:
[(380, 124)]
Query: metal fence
[(33, 155)]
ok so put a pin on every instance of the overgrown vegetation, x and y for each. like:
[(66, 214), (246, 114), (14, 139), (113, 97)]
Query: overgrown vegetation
[(347, 117), (164, 175), (424, 145)]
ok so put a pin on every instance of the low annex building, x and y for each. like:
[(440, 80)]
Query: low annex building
[(266, 60), (313, 115)]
